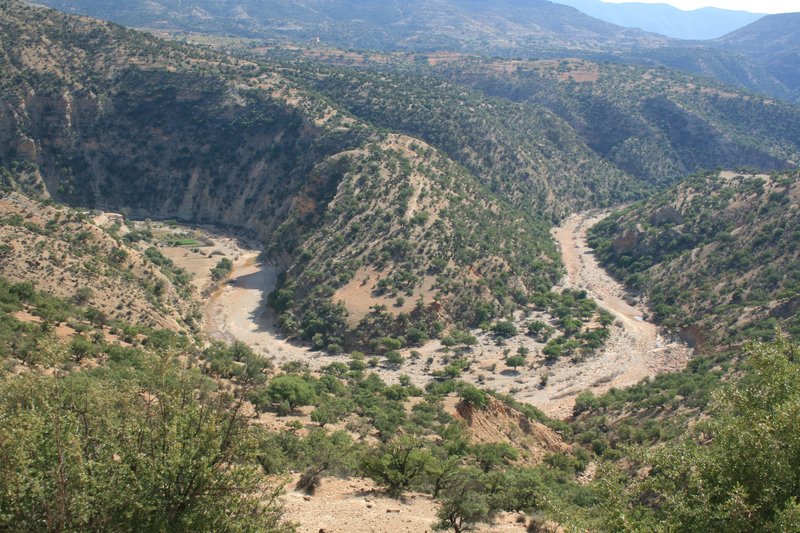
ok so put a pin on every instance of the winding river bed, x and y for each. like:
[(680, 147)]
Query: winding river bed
[(636, 349)]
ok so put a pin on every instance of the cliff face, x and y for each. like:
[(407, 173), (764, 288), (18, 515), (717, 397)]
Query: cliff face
[(136, 126), (234, 162)]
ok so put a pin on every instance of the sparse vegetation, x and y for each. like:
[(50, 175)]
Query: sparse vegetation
[(221, 269), (405, 203), (717, 254)]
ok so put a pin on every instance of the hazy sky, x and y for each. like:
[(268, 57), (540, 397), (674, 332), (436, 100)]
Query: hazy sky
[(755, 6)]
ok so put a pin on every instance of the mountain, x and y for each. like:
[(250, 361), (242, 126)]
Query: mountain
[(473, 25), (116, 119), (655, 124), (279, 148), (100, 116), (697, 24), (505, 28), (716, 256), (96, 115), (774, 41)]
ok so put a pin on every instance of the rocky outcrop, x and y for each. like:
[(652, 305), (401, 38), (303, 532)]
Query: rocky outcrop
[(626, 242), (666, 215), (497, 422)]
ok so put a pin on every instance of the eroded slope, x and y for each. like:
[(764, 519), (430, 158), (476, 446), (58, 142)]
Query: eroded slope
[(113, 118), (66, 253)]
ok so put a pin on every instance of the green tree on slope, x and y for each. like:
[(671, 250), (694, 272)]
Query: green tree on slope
[(146, 450), (741, 474)]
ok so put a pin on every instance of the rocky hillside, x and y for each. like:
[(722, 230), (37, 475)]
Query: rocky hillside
[(717, 256), (412, 232), (116, 119), (85, 258), (498, 422), (524, 153), (560, 135)]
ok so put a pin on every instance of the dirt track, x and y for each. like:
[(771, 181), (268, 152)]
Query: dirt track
[(584, 272), (238, 310)]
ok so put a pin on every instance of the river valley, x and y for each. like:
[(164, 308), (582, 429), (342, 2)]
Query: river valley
[(637, 349)]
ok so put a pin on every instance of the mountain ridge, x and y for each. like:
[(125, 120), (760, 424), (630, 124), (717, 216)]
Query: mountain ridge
[(697, 24), (510, 29), (403, 23), (773, 40)]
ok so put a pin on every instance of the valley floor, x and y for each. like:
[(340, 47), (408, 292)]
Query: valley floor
[(358, 506), (238, 311), (636, 349)]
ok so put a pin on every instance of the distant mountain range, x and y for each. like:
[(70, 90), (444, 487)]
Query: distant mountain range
[(698, 24), (774, 41), (761, 57), (499, 26)]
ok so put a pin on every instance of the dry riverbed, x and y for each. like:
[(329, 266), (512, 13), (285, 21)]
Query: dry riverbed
[(636, 349)]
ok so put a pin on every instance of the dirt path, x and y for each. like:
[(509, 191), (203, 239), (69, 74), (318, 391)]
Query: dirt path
[(238, 310), (358, 506), (584, 272)]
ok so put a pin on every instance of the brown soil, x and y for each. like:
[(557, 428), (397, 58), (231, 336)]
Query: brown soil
[(359, 295), (498, 422), (636, 350), (63, 251), (355, 506), (358, 506), (62, 331)]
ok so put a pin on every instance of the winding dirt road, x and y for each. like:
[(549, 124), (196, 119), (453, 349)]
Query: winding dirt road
[(584, 272), (238, 311)]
